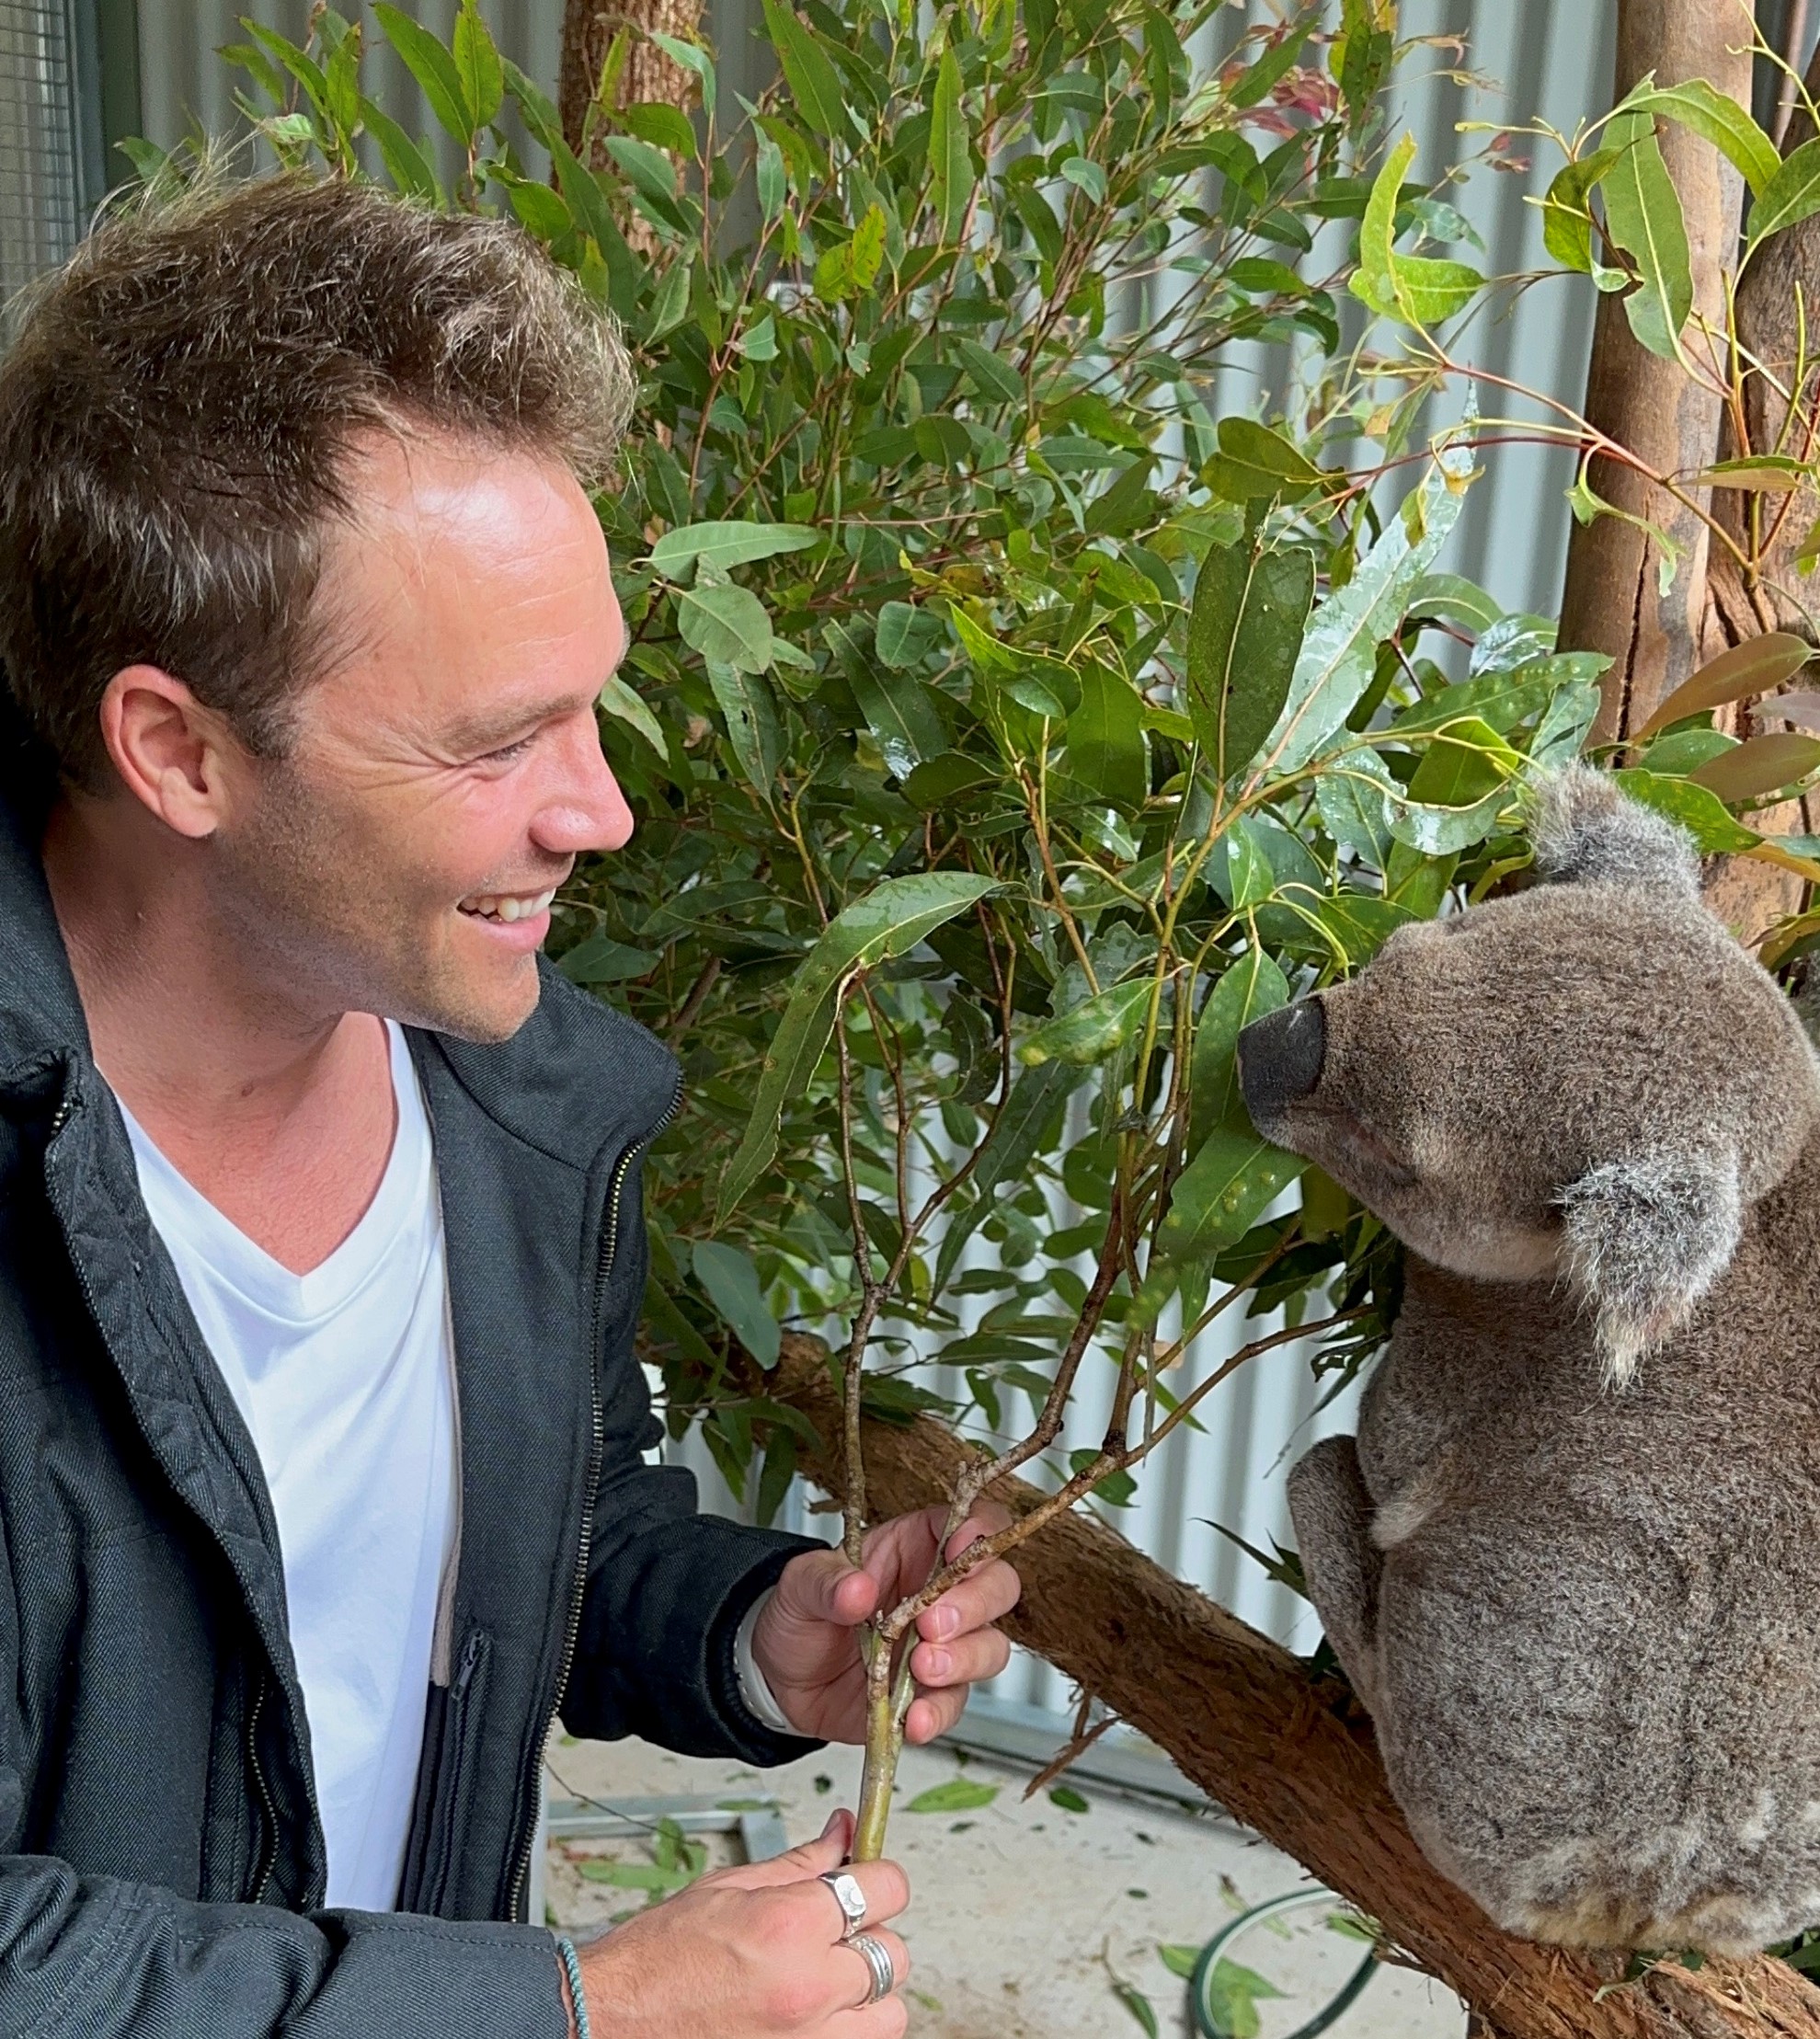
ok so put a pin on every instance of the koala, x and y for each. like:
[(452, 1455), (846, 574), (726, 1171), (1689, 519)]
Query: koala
[(1566, 1561)]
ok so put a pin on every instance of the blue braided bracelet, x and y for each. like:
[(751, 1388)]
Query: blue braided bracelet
[(571, 1962)]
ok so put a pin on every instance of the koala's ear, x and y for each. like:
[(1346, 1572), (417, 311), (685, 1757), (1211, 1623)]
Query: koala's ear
[(1645, 1240), (1585, 828)]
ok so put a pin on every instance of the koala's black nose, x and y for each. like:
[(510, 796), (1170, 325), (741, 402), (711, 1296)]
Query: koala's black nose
[(1280, 1056)]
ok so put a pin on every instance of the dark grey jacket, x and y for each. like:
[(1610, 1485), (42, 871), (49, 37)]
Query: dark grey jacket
[(161, 1861)]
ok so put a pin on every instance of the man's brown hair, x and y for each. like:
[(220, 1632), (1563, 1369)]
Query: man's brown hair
[(178, 412)]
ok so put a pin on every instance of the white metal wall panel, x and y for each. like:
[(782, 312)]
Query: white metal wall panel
[(40, 201)]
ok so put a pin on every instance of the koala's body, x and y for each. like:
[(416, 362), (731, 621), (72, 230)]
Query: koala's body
[(1563, 1561)]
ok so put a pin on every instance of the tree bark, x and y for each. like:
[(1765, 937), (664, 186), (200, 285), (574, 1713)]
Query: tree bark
[(1291, 1756), (1612, 602), (588, 28)]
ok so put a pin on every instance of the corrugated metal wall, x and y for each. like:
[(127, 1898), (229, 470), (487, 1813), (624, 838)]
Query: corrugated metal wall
[(1548, 57), (40, 145)]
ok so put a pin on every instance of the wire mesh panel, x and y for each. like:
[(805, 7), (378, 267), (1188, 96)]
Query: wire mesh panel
[(39, 201)]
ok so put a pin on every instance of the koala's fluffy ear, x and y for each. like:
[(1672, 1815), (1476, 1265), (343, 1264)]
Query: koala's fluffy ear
[(1585, 828), (1644, 1241)]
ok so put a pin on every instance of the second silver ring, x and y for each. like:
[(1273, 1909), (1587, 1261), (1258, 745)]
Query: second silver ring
[(877, 1957)]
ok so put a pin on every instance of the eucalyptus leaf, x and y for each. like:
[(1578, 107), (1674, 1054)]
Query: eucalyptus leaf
[(723, 544), (896, 916), (1243, 637), (1233, 1180)]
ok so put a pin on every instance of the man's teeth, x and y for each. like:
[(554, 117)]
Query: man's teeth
[(508, 906)]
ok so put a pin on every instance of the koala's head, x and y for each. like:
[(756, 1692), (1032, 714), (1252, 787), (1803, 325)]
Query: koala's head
[(1590, 1078)]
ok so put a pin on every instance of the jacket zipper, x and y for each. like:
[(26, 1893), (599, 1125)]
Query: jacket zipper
[(65, 1111), (596, 1451), (262, 1881)]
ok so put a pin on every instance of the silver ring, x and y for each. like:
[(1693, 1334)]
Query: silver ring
[(877, 1957), (849, 1896)]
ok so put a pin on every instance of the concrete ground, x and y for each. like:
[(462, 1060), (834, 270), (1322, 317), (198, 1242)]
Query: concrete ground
[(1027, 1919)]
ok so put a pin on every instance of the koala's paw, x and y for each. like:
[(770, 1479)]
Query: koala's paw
[(1645, 1239), (1586, 830)]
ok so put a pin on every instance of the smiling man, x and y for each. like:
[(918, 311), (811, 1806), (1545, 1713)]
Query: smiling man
[(323, 1479)]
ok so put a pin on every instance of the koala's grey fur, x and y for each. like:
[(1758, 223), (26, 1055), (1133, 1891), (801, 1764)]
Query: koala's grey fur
[(1579, 1612)]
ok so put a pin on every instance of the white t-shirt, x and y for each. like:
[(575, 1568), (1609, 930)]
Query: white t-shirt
[(344, 1376)]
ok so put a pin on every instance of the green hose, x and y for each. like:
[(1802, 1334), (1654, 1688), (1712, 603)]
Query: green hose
[(1200, 1986)]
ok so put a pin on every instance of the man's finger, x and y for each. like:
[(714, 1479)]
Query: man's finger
[(980, 1600), (968, 1661), (934, 1714), (884, 1887), (987, 1519), (823, 1587)]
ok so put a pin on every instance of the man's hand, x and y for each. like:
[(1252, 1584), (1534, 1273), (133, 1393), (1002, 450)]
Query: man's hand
[(805, 1644), (752, 1952)]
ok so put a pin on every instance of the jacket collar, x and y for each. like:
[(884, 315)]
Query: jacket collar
[(41, 1014)]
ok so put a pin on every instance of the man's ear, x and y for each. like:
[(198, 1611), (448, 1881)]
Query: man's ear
[(1645, 1239), (167, 747)]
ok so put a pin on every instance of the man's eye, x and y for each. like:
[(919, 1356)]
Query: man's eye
[(506, 753)]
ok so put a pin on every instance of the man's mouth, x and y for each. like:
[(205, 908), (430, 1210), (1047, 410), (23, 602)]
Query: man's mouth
[(508, 906)]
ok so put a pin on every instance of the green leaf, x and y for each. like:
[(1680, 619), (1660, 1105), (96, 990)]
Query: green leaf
[(1790, 196), (726, 624), (959, 1795), (1253, 461), (1643, 214), (1179, 1960), (666, 126), (483, 76), (1224, 1191), (1699, 106), (617, 699), (1105, 738), (950, 780), (897, 707), (1759, 474), (893, 917), (669, 304), (1017, 1132), (1244, 636), (1092, 1030), (1350, 794), (719, 544), (1701, 813), (1460, 789), (779, 1469), (995, 380), (433, 68), (1340, 643), (1069, 1799), (408, 167), (595, 1869), (1115, 1488), (1567, 221), (1277, 62), (1248, 989), (813, 81), (905, 634), (731, 1283), (692, 57), (1138, 2004), (950, 151), (1234, 1993), (600, 960), (1418, 289), (772, 185), (850, 267), (745, 700)]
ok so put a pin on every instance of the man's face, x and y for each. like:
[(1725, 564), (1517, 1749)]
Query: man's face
[(443, 778)]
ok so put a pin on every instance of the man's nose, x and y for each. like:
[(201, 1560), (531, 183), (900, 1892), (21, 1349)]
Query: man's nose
[(1280, 1056), (586, 810)]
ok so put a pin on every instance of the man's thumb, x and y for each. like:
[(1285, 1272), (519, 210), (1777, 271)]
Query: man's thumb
[(828, 1850)]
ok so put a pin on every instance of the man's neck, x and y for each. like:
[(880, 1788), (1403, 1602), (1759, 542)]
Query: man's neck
[(280, 1114)]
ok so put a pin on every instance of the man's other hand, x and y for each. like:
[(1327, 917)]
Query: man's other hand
[(752, 1952), (806, 1639)]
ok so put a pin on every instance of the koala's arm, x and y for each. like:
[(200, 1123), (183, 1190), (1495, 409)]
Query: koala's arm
[(1332, 1510)]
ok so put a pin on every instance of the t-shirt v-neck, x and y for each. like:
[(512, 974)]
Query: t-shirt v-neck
[(344, 1376)]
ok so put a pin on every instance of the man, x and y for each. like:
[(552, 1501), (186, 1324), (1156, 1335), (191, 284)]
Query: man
[(322, 1476)]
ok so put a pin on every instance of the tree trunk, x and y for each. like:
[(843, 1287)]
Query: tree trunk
[(588, 28), (1612, 602), (1288, 1756)]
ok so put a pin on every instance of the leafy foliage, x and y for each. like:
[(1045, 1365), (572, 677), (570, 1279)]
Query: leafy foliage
[(1005, 729)]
